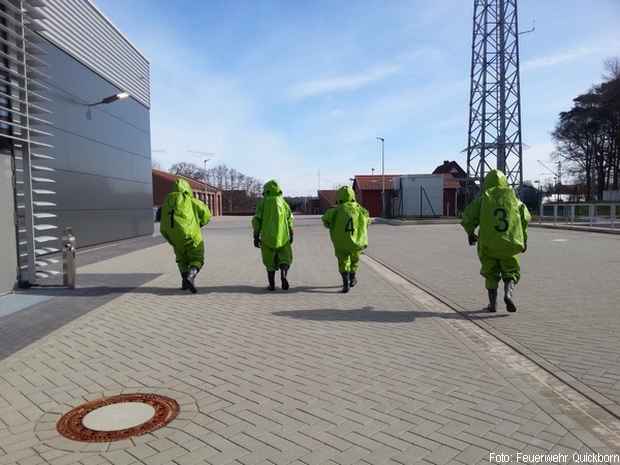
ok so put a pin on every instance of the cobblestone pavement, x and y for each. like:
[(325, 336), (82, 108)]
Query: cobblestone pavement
[(569, 312), (383, 375)]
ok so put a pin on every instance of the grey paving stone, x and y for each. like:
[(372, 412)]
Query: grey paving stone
[(567, 303), (306, 376)]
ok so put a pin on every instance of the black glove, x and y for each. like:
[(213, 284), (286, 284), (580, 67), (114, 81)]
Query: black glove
[(472, 238), (291, 234), (257, 242)]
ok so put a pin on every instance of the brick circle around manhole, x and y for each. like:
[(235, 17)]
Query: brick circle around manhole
[(157, 411)]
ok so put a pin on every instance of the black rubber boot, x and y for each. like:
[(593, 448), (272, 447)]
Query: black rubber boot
[(271, 277), (184, 285), (509, 286), (345, 282), (492, 300), (352, 279), (191, 276), (283, 278)]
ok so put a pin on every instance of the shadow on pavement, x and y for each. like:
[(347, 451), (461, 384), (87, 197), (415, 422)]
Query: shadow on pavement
[(105, 290), (29, 324), (380, 316)]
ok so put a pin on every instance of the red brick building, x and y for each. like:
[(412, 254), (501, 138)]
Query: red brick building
[(368, 191), (238, 202), (164, 181), (454, 177)]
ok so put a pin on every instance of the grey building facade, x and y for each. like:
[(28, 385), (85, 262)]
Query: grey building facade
[(64, 162)]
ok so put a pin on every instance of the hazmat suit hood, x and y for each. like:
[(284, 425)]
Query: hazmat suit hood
[(273, 219), (181, 186), (272, 188), (182, 216), (501, 216), (494, 178), (347, 223), (345, 194)]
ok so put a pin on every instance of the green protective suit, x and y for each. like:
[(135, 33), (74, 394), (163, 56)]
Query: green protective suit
[(348, 228), (503, 221), (182, 216), (273, 222)]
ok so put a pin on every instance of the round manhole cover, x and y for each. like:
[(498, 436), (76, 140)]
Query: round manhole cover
[(118, 417)]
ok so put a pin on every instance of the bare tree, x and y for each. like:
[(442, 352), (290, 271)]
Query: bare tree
[(185, 169), (588, 135)]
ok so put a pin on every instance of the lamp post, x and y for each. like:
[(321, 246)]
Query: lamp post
[(557, 178), (382, 140), (105, 101), (204, 180)]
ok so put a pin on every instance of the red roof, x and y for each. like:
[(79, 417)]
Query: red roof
[(374, 182), (451, 167), (194, 183)]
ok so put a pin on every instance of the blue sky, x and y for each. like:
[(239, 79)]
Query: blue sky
[(282, 89)]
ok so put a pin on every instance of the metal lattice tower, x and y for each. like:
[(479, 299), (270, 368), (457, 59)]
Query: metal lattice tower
[(495, 96)]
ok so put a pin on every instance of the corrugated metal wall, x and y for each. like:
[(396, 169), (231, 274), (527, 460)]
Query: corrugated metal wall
[(103, 164), (80, 29)]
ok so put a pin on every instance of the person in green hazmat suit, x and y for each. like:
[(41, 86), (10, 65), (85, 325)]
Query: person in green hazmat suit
[(273, 233), (182, 216), (502, 220), (348, 229)]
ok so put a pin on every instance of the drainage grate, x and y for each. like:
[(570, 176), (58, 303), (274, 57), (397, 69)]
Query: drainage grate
[(71, 425)]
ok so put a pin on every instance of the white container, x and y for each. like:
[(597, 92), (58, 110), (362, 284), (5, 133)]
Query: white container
[(418, 195)]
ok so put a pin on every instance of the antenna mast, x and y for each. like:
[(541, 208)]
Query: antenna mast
[(494, 136)]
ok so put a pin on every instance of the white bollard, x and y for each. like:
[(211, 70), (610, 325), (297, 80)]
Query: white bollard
[(68, 259)]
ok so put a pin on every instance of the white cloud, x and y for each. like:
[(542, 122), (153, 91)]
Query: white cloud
[(570, 55), (343, 83), (557, 58)]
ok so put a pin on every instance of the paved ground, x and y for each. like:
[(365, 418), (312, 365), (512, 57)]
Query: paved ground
[(383, 375), (569, 295)]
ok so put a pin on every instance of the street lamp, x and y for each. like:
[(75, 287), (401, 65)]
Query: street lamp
[(539, 192), (557, 177), (204, 180), (106, 101), (382, 140), (205, 154)]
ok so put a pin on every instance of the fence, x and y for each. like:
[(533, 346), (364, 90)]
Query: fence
[(592, 214)]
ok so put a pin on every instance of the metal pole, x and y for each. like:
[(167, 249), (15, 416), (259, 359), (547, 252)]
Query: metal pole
[(27, 276), (420, 202), (541, 213), (204, 181), (559, 179), (501, 137), (382, 140)]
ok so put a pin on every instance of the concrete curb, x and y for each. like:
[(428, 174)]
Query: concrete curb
[(567, 227), (593, 395)]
